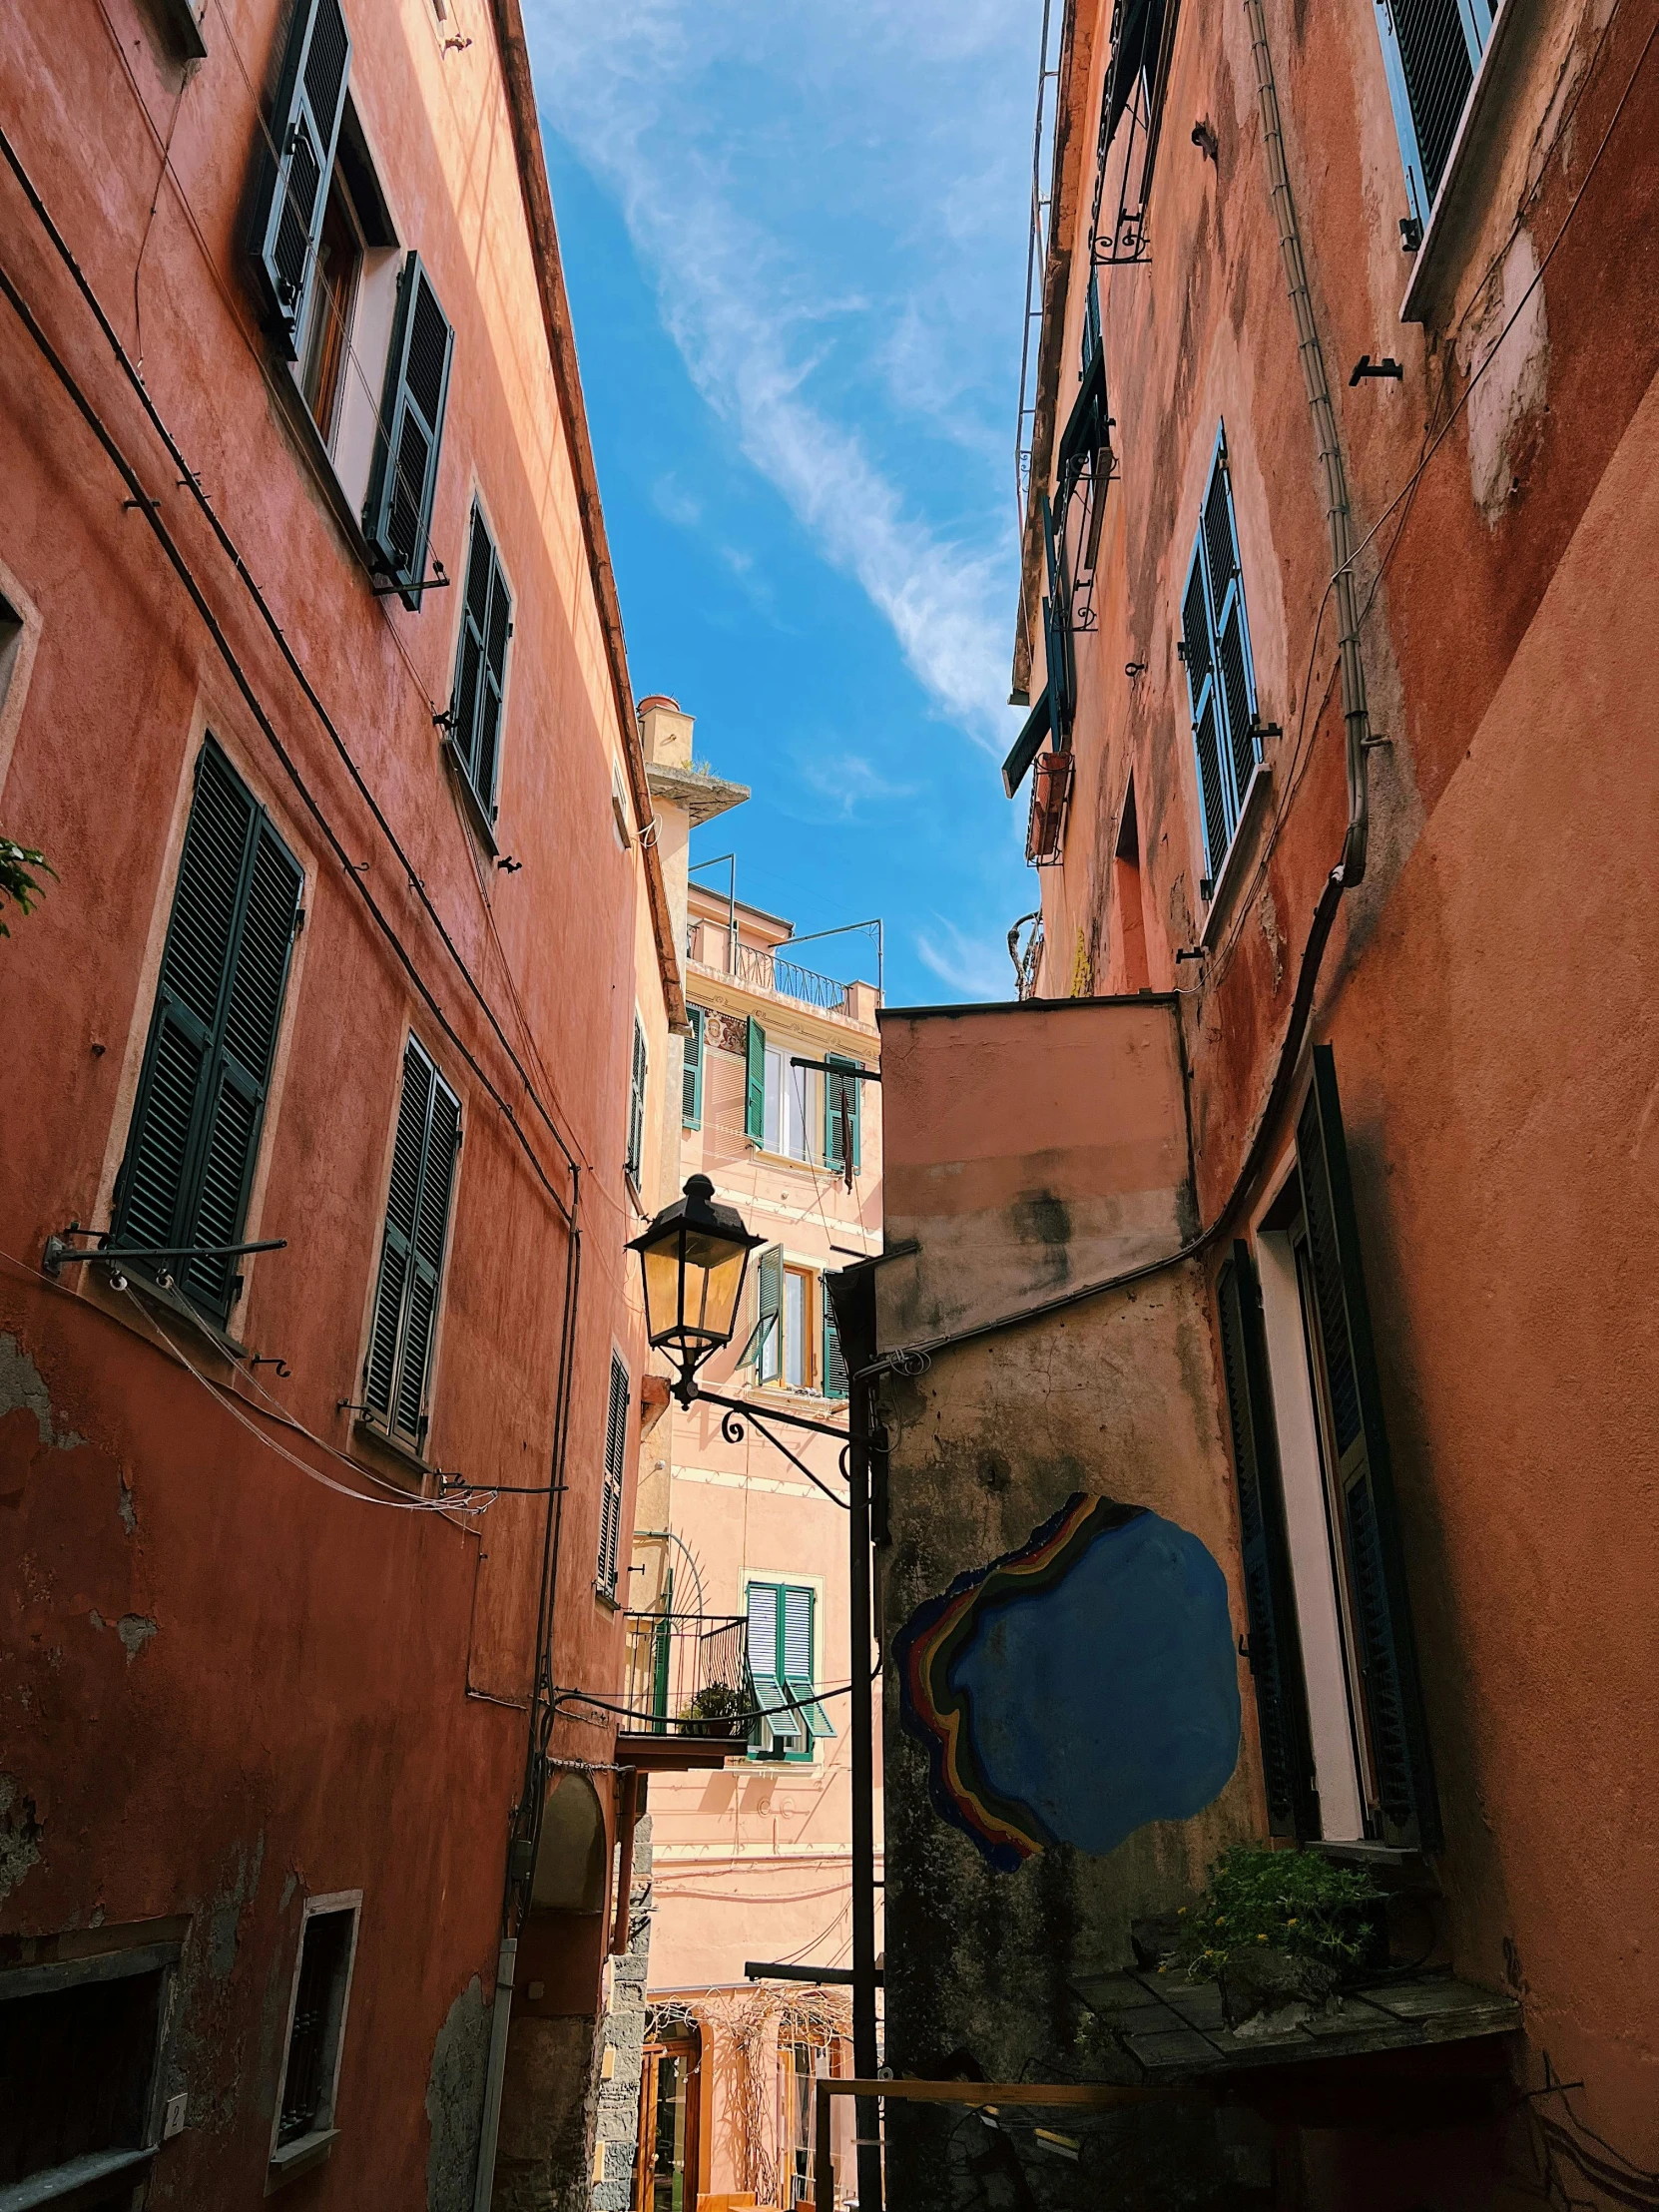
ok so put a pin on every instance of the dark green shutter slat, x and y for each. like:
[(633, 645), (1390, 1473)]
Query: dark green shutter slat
[(768, 1278), (1036, 732), (195, 1136), (498, 632), (397, 1249), (636, 1104), (426, 1274), (690, 1109), (836, 1088), (754, 1084), (610, 1503), (398, 517), (481, 665), (397, 1373), (293, 187), (1393, 1700), (1270, 1594), (834, 1366)]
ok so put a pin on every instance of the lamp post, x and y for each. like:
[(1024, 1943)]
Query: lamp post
[(694, 1259)]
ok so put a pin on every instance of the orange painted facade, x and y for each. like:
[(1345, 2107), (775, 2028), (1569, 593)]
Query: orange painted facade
[(270, 1650)]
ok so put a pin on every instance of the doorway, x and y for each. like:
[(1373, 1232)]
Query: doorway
[(671, 2096)]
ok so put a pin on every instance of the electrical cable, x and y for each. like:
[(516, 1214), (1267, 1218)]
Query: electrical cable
[(190, 482)]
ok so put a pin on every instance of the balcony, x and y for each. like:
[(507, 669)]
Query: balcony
[(687, 1689), (759, 969)]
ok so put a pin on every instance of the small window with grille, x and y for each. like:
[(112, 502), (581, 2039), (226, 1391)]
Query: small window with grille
[(307, 2094), (1221, 677)]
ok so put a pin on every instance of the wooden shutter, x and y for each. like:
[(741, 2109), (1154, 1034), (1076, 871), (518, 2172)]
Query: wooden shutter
[(1431, 50), (293, 185), (1408, 1808), (475, 708), (397, 1373), (834, 1366), (768, 1278), (397, 520), (799, 1615), (195, 1133), (755, 1085), (1270, 1593), (762, 1663), (636, 1104), (836, 1088), (690, 1109), (1221, 679), (616, 1459)]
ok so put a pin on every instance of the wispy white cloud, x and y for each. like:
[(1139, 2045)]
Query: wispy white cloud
[(978, 967), (765, 162), (844, 784)]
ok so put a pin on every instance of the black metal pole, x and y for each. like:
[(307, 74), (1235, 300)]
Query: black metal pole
[(865, 2057)]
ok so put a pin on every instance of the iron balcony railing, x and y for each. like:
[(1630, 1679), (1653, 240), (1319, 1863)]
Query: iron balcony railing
[(764, 970), (687, 1674)]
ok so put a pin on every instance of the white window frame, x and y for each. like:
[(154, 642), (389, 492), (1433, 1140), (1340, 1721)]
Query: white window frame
[(289, 2157), (787, 1122)]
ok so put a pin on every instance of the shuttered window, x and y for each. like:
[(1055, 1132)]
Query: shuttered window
[(769, 1320), (840, 1108), (754, 1084), (1405, 1808), (835, 1366), (1221, 679), (636, 1104), (607, 1568), (476, 706), (397, 519), (1270, 1595), (781, 1628), (298, 160), (1431, 51), (691, 1108), (206, 1065), (398, 1372)]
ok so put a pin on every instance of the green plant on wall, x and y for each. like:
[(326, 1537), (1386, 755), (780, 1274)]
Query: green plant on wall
[(1296, 1900), (713, 1711), (16, 883)]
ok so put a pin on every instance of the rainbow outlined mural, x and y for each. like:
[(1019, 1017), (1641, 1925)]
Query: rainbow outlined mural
[(1077, 1687)]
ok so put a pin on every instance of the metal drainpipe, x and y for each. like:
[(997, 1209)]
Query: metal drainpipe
[(485, 2186), (1356, 719)]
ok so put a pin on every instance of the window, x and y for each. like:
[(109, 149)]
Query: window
[(475, 706), (634, 1160), (784, 1128), (798, 1307), (1431, 52), (195, 1135), (1220, 682), (691, 1107), (79, 2056), (333, 297), (1344, 1741), (309, 2090), (610, 1503), (782, 1627), (304, 130), (398, 1372), (783, 1343), (768, 1334), (1129, 911), (840, 1113)]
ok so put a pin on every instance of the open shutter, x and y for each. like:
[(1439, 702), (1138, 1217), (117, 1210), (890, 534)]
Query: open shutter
[(690, 1109), (835, 1366), (616, 1454), (797, 1669), (838, 1089), (762, 1663), (1270, 1594), (293, 187), (1431, 50), (397, 519), (636, 1104), (1408, 1807), (755, 1085), (398, 1373), (219, 1002), (1236, 690), (768, 1278)]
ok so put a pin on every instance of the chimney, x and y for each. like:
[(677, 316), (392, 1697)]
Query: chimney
[(665, 732)]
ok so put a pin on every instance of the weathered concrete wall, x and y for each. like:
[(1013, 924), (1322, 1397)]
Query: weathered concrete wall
[(622, 2041)]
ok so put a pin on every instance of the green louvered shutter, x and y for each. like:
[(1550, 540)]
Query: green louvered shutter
[(475, 708), (762, 1663), (835, 1366), (691, 1111), (837, 1088), (796, 1627), (397, 519), (1270, 1594), (768, 1280), (1408, 1808), (755, 1085), (616, 1461), (397, 1373), (636, 1104), (294, 183), (195, 1133)]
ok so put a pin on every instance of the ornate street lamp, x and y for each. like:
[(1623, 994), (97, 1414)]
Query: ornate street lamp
[(693, 1258)]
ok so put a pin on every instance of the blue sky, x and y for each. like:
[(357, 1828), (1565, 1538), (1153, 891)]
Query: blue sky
[(795, 239)]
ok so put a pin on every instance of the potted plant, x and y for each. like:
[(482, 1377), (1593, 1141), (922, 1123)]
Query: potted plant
[(715, 1710)]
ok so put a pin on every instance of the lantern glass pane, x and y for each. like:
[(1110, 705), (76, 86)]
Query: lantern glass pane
[(714, 1277), (660, 1264)]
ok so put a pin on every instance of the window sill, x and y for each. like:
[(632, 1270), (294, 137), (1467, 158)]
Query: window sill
[(607, 1598), (211, 1337), (1450, 219), (320, 461), (56, 2184), (479, 818), (406, 1459), (301, 2157), (1236, 857)]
